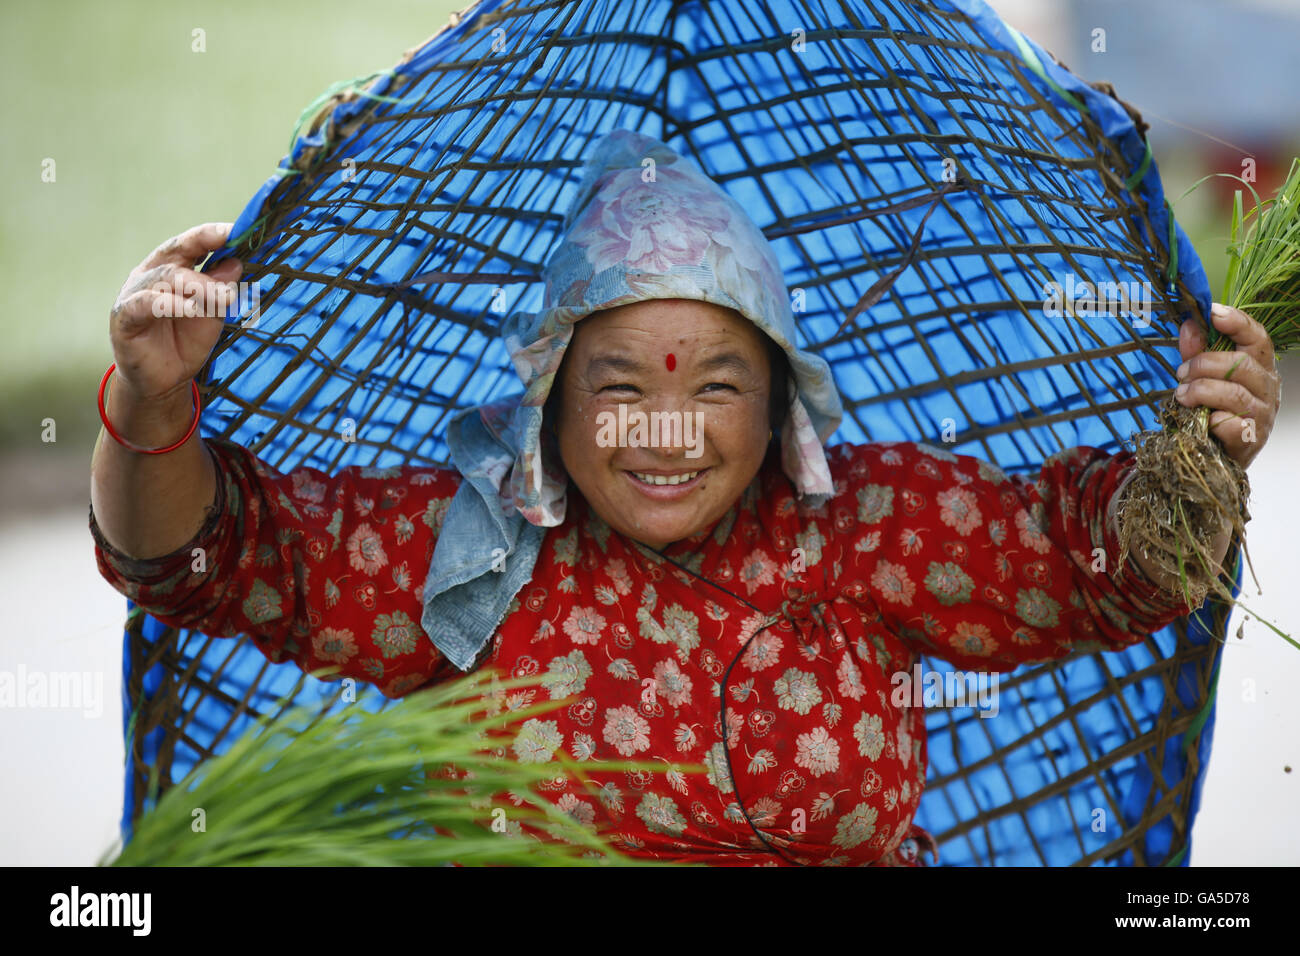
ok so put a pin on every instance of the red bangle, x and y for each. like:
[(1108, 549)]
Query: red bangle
[(103, 416)]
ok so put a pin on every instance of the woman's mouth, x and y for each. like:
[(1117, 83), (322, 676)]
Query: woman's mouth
[(661, 485)]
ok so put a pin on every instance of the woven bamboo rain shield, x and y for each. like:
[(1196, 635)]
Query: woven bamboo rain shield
[(924, 173)]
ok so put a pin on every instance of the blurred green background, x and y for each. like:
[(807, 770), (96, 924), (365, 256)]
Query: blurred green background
[(148, 138)]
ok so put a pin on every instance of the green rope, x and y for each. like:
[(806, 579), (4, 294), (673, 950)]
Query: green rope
[(130, 725), (1204, 713), (1031, 58), (1131, 183), (260, 221), (309, 111), (139, 701), (1194, 731), (1198, 722), (353, 85), (1133, 180), (1172, 274), (234, 241)]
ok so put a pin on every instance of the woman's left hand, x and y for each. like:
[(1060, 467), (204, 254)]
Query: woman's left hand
[(1242, 386)]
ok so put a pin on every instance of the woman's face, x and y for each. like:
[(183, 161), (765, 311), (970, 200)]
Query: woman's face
[(695, 377)]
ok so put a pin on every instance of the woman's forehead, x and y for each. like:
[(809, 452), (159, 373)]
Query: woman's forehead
[(678, 322), (706, 359)]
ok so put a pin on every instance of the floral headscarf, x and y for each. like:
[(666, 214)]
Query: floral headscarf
[(646, 224)]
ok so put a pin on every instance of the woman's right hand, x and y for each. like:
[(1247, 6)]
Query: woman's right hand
[(164, 324), (168, 317)]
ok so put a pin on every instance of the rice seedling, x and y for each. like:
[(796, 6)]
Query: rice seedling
[(1186, 488), (411, 785)]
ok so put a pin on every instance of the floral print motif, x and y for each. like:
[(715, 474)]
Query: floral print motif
[(366, 550), (797, 691), (875, 502), (626, 730), (758, 571), (661, 815), (584, 625), (567, 676), (336, 646), (1036, 608), (395, 634), (850, 679), (871, 740), (892, 582), (537, 741), (762, 652), (672, 685), (949, 583), (818, 752), (262, 604), (1030, 531), (762, 702), (856, 826), (973, 640), (958, 508)]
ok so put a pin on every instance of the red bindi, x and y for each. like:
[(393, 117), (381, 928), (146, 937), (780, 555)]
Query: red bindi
[(671, 361)]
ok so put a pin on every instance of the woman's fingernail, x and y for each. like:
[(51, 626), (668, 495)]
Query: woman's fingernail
[(1182, 371), (1181, 391), (1218, 310)]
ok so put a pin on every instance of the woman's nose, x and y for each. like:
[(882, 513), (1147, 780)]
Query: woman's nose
[(678, 432)]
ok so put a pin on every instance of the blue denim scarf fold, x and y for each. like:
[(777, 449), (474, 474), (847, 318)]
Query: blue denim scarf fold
[(485, 553)]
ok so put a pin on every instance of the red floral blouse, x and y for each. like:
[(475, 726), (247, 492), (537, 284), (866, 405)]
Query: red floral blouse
[(766, 649)]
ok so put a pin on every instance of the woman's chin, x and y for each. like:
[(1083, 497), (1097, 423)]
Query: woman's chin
[(658, 540), (658, 535)]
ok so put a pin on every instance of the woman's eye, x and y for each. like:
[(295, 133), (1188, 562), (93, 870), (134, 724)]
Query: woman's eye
[(621, 387), (713, 385)]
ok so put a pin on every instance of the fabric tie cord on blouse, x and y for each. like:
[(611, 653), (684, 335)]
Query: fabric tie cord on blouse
[(645, 223)]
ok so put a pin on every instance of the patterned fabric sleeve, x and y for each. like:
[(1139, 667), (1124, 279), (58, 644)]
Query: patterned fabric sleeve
[(990, 571), (324, 570)]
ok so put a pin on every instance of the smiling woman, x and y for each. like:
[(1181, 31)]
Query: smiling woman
[(775, 358), (649, 489), (746, 608)]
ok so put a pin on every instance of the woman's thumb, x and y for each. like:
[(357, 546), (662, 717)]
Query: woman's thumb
[(228, 270)]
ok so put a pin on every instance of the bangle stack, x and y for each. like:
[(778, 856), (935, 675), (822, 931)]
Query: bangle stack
[(103, 416)]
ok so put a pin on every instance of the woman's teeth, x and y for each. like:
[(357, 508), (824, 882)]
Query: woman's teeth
[(665, 479)]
